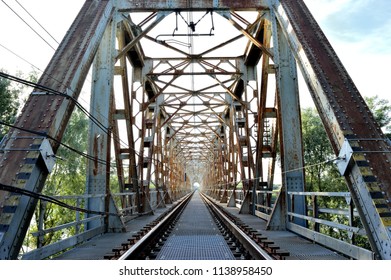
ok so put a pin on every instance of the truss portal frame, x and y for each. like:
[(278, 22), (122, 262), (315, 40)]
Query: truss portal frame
[(186, 115)]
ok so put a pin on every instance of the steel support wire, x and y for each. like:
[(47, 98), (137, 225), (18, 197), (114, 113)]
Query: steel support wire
[(45, 135), (22, 19), (50, 199), (78, 105), (49, 91)]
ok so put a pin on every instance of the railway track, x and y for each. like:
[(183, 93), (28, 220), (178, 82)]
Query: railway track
[(240, 240)]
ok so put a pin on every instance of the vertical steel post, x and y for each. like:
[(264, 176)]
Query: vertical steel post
[(98, 172), (292, 159)]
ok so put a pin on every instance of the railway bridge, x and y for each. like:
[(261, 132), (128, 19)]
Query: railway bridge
[(192, 105)]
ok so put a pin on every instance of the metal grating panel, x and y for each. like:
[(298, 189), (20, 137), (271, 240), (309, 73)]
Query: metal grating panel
[(195, 247), (301, 249), (195, 236)]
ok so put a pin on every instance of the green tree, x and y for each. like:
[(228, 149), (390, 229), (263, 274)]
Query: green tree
[(9, 104), (12, 95), (320, 176), (324, 177), (381, 109), (67, 179)]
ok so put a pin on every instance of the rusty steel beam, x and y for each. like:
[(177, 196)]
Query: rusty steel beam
[(195, 5), (247, 33), (131, 183), (353, 132), (125, 50), (291, 144), (48, 115), (99, 139)]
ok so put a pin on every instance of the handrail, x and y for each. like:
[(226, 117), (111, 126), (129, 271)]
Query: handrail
[(127, 211), (314, 215), (64, 226)]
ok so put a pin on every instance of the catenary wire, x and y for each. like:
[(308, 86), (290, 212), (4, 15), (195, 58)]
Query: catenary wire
[(52, 91), (15, 54), (47, 32), (51, 200), (9, 7), (50, 76), (89, 115), (43, 134)]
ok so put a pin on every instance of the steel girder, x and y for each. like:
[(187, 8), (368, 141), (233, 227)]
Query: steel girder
[(290, 130), (201, 5), (354, 134), (22, 163), (98, 170)]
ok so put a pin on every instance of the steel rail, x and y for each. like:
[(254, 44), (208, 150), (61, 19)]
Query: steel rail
[(148, 237), (248, 243)]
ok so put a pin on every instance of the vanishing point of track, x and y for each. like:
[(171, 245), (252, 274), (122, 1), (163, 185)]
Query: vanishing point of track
[(197, 228)]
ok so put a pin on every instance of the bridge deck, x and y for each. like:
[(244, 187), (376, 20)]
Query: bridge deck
[(197, 237), (98, 247), (298, 247)]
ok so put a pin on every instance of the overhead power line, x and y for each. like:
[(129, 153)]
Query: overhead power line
[(51, 200), (22, 19), (55, 92), (15, 54), (83, 110), (44, 134), (47, 32)]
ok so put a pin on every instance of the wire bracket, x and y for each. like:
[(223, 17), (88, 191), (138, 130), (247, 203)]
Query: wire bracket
[(344, 157), (47, 154)]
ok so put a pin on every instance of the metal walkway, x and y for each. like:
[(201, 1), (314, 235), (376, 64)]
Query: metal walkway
[(196, 236), (298, 247)]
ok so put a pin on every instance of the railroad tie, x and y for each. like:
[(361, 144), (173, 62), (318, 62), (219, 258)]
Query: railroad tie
[(109, 256), (117, 251), (131, 241), (282, 254)]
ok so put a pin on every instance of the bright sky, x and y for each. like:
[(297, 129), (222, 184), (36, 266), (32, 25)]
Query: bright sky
[(359, 30)]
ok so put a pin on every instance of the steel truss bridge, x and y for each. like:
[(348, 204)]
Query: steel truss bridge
[(199, 91)]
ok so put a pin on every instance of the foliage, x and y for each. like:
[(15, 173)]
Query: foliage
[(67, 179), (11, 97), (381, 109), (320, 176), (9, 103), (33, 76), (324, 177)]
